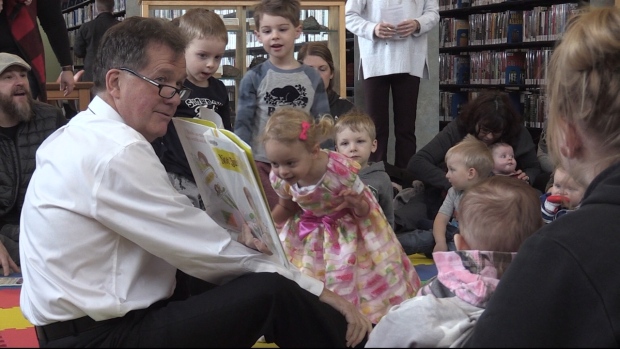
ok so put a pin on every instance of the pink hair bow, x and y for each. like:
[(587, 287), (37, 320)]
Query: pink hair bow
[(303, 135)]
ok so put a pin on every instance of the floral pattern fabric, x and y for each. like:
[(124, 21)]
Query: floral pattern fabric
[(358, 258)]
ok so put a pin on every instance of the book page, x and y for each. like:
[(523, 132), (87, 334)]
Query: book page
[(218, 202), (209, 114), (231, 165), (393, 15), (236, 167)]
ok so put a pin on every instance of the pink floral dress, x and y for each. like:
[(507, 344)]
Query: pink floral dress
[(358, 258)]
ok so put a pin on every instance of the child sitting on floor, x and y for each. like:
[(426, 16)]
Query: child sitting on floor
[(564, 195), (468, 162), (445, 310), (333, 228)]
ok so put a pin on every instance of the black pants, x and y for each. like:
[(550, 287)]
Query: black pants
[(405, 89), (232, 315)]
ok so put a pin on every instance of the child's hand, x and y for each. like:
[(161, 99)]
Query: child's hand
[(355, 201)]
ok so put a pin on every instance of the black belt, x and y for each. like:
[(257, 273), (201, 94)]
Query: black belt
[(68, 328)]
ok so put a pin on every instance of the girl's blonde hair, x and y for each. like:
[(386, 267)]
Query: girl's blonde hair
[(584, 84), (288, 125), (503, 199)]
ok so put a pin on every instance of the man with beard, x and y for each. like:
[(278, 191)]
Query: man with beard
[(24, 125)]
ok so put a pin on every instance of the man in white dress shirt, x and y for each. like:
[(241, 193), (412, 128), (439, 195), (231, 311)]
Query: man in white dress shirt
[(104, 232)]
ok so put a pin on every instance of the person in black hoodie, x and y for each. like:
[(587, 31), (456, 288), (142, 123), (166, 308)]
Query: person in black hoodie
[(90, 33), (562, 289)]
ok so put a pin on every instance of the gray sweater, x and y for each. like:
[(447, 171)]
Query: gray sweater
[(379, 182), (266, 87)]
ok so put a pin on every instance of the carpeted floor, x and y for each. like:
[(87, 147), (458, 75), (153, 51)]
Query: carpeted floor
[(17, 332)]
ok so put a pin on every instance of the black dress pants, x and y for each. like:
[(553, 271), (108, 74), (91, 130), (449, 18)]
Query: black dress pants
[(232, 315)]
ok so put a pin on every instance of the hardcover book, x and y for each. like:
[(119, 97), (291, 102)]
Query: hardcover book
[(228, 180), (515, 68), (514, 32)]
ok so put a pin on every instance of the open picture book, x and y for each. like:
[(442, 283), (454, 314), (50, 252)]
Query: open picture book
[(228, 179)]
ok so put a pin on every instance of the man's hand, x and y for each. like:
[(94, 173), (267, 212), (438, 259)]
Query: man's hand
[(358, 324), (247, 238)]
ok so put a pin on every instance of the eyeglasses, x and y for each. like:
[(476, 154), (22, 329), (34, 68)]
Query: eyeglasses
[(165, 91), (483, 131)]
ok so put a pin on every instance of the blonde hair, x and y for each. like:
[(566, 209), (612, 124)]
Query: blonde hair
[(510, 201), (356, 121), (200, 23), (285, 125), (584, 85), (474, 154)]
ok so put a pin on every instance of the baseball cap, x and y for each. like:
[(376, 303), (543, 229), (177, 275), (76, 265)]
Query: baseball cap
[(7, 60)]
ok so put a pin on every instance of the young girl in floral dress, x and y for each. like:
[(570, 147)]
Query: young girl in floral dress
[(332, 227)]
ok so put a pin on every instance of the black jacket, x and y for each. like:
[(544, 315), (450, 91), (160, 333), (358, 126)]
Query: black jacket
[(562, 289), (88, 38), (338, 106), (17, 159)]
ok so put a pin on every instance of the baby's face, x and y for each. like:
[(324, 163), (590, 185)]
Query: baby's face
[(504, 159), (565, 185)]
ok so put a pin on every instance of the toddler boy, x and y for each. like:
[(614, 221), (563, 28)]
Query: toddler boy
[(356, 138), (445, 310), (469, 162)]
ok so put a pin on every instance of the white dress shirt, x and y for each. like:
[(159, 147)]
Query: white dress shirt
[(103, 230)]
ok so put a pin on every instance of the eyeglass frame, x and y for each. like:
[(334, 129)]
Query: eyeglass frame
[(483, 131), (180, 91)]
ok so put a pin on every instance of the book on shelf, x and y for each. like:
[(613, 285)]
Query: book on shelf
[(461, 27), (515, 68), (227, 179), (514, 32), (461, 65), (457, 101)]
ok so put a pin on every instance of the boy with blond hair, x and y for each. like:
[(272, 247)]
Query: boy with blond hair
[(445, 310), (207, 38), (356, 138), (468, 162), (279, 81)]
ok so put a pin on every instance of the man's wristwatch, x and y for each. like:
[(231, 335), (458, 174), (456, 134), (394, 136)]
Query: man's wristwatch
[(67, 68)]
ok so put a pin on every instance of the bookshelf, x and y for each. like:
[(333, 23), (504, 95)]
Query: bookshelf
[(502, 45), (243, 47), (78, 12)]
